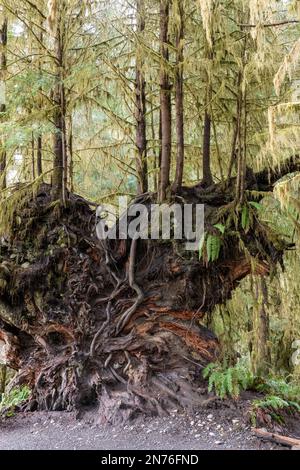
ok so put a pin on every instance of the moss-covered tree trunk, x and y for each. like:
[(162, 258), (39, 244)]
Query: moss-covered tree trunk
[(165, 101), (261, 359), (179, 97), (140, 104), (3, 72), (60, 164)]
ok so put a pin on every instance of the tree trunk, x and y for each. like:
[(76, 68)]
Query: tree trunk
[(39, 161), (165, 101), (207, 176), (3, 374), (60, 169), (241, 129), (32, 157), (206, 164), (58, 147), (3, 72), (156, 152), (159, 152), (39, 151), (261, 351), (179, 99), (235, 125), (70, 149), (140, 108)]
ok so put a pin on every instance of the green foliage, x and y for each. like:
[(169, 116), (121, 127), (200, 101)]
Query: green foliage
[(245, 217), (213, 247), (247, 213), (288, 391), (281, 396), (273, 402), (212, 244), (220, 227), (229, 381), (276, 403), (14, 398), (256, 205)]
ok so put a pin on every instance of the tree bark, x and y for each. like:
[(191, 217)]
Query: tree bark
[(156, 152), (179, 99), (60, 170), (242, 130), (33, 156), (70, 150), (39, 157), (236, 123), (3, 72), (39, 151), (3, 374), (140, 109), (261, 351), (165, 101), (206, 164), (159, 152)]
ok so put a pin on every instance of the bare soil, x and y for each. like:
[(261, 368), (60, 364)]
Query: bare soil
[(224, 425)]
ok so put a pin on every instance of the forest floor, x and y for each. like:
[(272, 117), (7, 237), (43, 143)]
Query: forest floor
[(224, 425)]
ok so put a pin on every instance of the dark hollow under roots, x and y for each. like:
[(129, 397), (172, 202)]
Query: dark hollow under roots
[(114, 325)]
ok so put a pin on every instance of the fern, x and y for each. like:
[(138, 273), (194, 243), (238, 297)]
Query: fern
[(213, 247), (276, 403), (245, 218), (273, 405), (229, 382), (289, 392), (13, 398), (221, 228), (256, 205), (212, 243), (281, 396)]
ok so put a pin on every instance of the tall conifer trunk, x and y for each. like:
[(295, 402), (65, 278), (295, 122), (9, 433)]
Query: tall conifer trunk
[(59, 181), (39, 163), (3, 72), (165, 101), (206, 163), (179, 98), (140, 111)]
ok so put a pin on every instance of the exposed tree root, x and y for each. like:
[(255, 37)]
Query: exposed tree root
[(114, 325)]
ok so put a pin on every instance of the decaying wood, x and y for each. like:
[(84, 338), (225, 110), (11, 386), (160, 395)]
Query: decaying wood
[(279, 439), (9, 350)]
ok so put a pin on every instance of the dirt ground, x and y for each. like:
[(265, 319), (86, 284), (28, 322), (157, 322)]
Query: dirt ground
[(222, 426)]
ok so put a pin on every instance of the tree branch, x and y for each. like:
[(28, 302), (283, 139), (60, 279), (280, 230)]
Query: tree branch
[(267, 178), (270, 25)]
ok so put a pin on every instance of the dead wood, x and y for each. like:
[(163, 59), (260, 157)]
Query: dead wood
[(279, 439)]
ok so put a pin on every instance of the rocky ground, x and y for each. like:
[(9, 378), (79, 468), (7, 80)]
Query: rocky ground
[(222, 426)]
